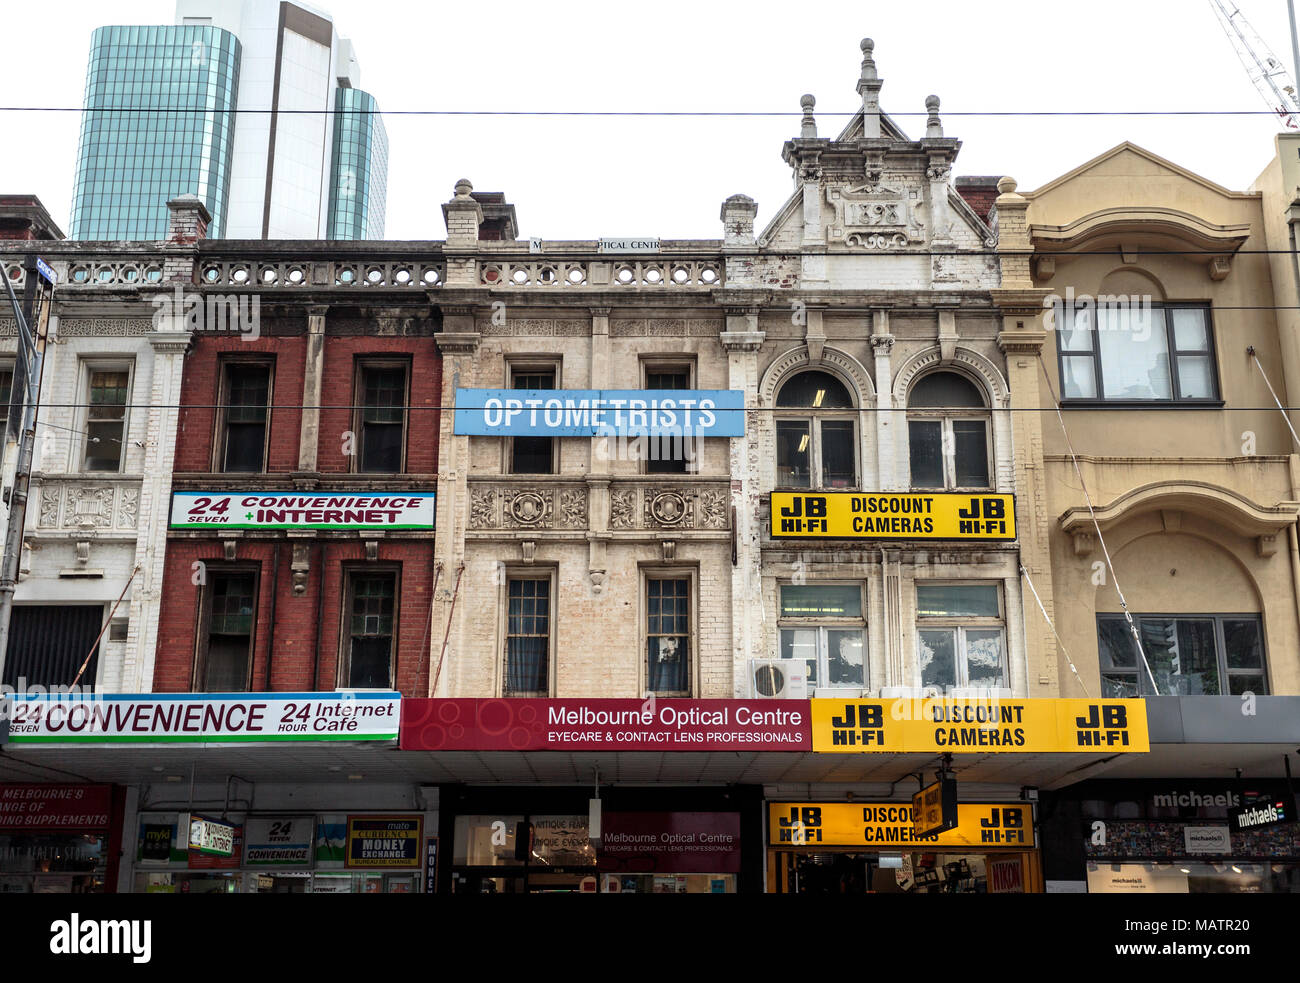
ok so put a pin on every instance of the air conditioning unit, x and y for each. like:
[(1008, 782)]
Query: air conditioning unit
[(778, 679)]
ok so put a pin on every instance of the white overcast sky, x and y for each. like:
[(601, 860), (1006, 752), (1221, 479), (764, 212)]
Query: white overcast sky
[(667, 176)]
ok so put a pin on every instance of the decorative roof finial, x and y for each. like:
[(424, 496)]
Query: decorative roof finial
[(933, 125), (869, 85), (463, 188), (808, 126)]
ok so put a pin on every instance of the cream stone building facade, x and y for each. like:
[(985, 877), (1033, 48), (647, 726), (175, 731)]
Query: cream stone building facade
[(864, 327)]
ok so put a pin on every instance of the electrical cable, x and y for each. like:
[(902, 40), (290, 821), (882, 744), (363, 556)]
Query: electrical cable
[(641, 113)]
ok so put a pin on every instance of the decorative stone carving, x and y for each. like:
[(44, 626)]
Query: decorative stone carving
[(1083, 543), (128, 508), (482, 509), (111, 327), (599, 579), (528, 508), (300, 566), (667, 508), (622, 510), (529, 550), (876, 216), (50, 499), (669, 549), (83, 552), (573, 507), (537, 327), (89, 507), (713, 510)]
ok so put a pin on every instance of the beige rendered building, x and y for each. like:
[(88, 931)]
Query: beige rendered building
[(1169, 429)]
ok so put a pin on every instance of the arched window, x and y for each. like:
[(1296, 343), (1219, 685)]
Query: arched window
[(816, 429), (948, 433)]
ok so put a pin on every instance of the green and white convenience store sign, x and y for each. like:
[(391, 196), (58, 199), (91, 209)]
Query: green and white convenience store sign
[(302, 510), (204, 718)]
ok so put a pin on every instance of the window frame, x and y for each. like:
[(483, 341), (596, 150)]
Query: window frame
[(361, 365), (1220, 644), (512, 573), (221, 438), (663, 364), (203, 638), (813, 417), (352, 572), (946, 416), (520, 365), (1102, 401), (826, 623), (89, 366), (692, 577), (9, 365), (959, 625)]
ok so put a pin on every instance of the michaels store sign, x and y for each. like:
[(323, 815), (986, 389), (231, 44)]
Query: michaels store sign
[(600, 413)]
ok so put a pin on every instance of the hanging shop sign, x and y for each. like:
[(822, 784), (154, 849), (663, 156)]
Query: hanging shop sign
[(302, 510), (600, 413), (205, 718), (431, 865), (935, 808), (671, 842), (979, 726), (210, 836), (280, 841), (387, 842), (605, 725), (54, 807), (875, 515), (1258, 814), (891, 824)]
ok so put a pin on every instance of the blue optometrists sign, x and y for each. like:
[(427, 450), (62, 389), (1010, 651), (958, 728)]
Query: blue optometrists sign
[(600, 413)]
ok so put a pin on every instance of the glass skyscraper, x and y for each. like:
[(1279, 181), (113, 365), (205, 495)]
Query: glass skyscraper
[(252, 105), (358, 169), (159, 121)]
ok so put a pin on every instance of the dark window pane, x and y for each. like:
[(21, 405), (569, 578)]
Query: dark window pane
[(370, 665), (668, 640), (1245, 649), (540, 379), (827, 601), (48, 644), (226, 666), (837, 454), (527, 636), (6, 391), (972, 453), (383, 414), (531, 455), (1119, 686), (1115, 643), (956, 601), (371, 629), (925, 443), (1197, 657), (846, 658), (679, 379), (793, 454), (938, 658), (818, 390), (248, 389), (106, 420), (667, 454), (230, 632), (1247, 682), (944, 389)]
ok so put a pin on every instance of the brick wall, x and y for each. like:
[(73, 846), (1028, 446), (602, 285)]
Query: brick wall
[(202, 391), (338, 385), (298, 648)]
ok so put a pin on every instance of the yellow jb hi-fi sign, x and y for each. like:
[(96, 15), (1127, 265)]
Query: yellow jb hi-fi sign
[(889, 825), (904, 726), (874, 515)]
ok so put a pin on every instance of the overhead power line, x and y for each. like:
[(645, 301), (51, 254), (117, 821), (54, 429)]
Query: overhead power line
[(705, 113)]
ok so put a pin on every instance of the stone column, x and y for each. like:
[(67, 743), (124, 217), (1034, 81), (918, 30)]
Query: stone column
[(742, 340), (313, 370), (888, 423), (464, 215), (602, 451), (154, 509), (459, 343)]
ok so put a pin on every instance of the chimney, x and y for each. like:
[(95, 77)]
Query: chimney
[(24, 218), (463, 216), (188, 220), (737, 216)]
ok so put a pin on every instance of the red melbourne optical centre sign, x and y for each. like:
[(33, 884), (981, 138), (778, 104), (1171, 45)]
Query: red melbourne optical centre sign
[(606, 725)]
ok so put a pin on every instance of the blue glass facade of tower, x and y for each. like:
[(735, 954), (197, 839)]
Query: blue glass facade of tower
[(158, 122), (358, 168)]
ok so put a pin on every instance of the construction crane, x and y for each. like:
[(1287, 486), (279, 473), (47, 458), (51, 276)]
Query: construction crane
[(1267, 73)]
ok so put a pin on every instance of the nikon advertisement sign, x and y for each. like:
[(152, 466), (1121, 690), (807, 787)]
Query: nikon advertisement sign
[(854, 515)]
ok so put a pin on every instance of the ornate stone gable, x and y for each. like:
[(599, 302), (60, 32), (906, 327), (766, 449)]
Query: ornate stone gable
[(877, 216)]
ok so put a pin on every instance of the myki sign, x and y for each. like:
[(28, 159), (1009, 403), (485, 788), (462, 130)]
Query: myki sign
[(62, 807), (605, 725), (299, 510), (205, 718), (600, 413)]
